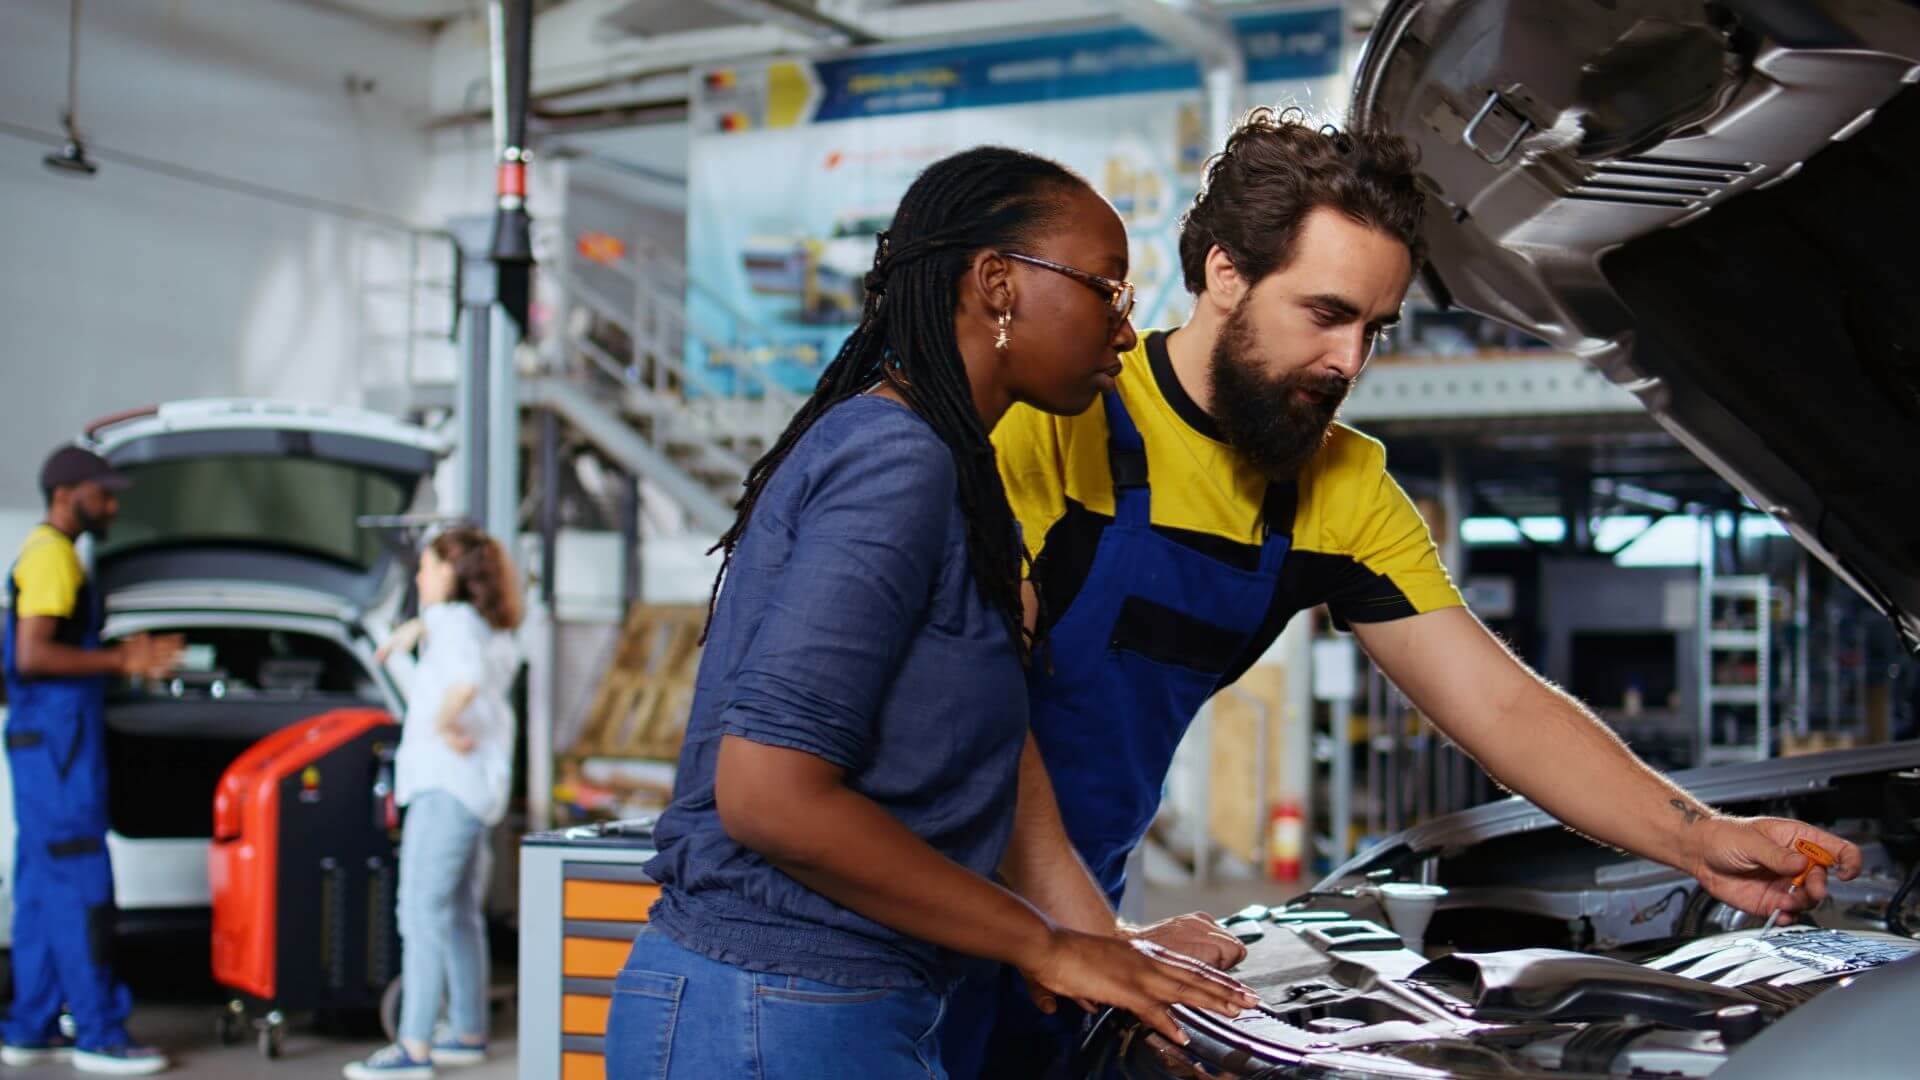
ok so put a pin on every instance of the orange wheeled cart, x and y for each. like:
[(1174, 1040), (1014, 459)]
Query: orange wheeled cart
[(304, 868)]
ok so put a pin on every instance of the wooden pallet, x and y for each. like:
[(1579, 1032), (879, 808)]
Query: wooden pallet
[(646, 694)]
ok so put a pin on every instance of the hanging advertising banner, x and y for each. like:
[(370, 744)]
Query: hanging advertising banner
[(796, 164)]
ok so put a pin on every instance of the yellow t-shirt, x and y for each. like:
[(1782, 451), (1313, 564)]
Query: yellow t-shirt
[(47, 576), (1358, 544)]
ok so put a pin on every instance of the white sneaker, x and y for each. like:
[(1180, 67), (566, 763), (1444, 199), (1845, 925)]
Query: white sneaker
[(389, 1063), (127, 1059), (454, 1052), (57, 1052)]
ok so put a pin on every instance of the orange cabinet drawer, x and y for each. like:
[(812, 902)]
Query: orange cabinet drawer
[(584, 1014), (578, 1066), (593, 958), (613, 901)]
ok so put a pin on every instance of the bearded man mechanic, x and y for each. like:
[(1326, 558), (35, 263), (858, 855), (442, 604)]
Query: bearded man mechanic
[(56, 676), (1210, 497)]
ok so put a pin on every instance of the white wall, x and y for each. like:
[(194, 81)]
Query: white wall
[(132, 287)]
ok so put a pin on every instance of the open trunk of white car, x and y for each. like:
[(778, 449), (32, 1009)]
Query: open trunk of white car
[(243, 532)]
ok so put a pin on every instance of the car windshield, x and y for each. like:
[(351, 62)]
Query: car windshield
[(286, 503)]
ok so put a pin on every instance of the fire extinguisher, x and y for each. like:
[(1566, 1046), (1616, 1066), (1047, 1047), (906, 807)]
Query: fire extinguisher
[(1285, 833)]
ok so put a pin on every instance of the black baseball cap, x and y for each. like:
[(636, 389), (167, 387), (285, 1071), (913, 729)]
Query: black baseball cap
[(71, 465)]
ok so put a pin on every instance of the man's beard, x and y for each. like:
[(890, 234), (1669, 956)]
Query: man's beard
[(1266, 419), (96, 527)]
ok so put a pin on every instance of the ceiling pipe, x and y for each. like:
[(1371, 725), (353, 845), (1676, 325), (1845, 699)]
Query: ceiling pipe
[(511, 22)]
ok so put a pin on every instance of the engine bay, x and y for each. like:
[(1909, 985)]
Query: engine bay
[(1343, 997), (1501, 945)]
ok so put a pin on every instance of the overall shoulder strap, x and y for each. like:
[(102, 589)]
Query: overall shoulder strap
[(1127, 463)]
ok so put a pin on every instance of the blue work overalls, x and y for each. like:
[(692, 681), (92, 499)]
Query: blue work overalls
[(1112, 696), (63, 913)]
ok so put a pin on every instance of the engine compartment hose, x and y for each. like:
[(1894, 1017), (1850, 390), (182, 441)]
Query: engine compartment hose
[(1896, 907)]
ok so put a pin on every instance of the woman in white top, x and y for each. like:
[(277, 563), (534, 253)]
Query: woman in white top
[(454, 771)]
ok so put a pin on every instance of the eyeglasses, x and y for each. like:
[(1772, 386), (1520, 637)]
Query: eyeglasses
[(1119, 293)]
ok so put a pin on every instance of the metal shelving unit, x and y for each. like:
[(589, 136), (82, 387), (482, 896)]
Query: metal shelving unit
[(1378, 767), (1736, 702)]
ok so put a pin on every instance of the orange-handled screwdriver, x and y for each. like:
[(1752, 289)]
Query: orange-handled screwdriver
[(1816, 856)]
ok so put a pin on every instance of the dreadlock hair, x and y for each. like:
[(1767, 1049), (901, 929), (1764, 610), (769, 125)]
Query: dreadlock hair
[(989, 197)]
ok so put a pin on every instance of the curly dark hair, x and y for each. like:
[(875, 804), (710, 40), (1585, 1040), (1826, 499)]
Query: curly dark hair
[(483, 575), (1276, 169)]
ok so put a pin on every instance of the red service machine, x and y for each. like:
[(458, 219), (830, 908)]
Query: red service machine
[(304, 868)]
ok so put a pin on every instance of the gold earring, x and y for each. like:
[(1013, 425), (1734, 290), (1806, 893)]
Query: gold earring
[(1001, 341)]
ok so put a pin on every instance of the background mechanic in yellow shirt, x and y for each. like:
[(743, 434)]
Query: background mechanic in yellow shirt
[(56, 672), (1179, 524)]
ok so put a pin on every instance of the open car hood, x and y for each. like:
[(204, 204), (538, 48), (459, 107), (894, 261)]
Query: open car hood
[(1713, 203)]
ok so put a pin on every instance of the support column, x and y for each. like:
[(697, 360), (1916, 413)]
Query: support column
[(1576, 500), (1456, 502), (549, 503), (1802, 642), (541, 636), (1226, 86), (474, 382), (502, 412), (628, 497)]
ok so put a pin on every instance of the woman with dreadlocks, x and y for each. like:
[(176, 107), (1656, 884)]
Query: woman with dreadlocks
[(853, 760)]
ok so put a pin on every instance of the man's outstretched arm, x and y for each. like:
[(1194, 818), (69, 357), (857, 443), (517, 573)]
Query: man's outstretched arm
[(1541, 743)]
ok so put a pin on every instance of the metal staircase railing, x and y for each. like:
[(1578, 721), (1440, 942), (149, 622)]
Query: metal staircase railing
[(622, 327), (409, 308), (682, 404)]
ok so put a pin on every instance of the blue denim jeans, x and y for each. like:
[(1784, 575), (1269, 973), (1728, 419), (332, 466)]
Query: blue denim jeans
[(444, 864), (678, 1015)]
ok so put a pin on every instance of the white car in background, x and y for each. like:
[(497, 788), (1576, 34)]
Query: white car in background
[(240, 533)]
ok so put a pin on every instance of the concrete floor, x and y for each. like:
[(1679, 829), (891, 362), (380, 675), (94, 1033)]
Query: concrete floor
[(185, 1031), (182, 1020), (176, 1003)]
